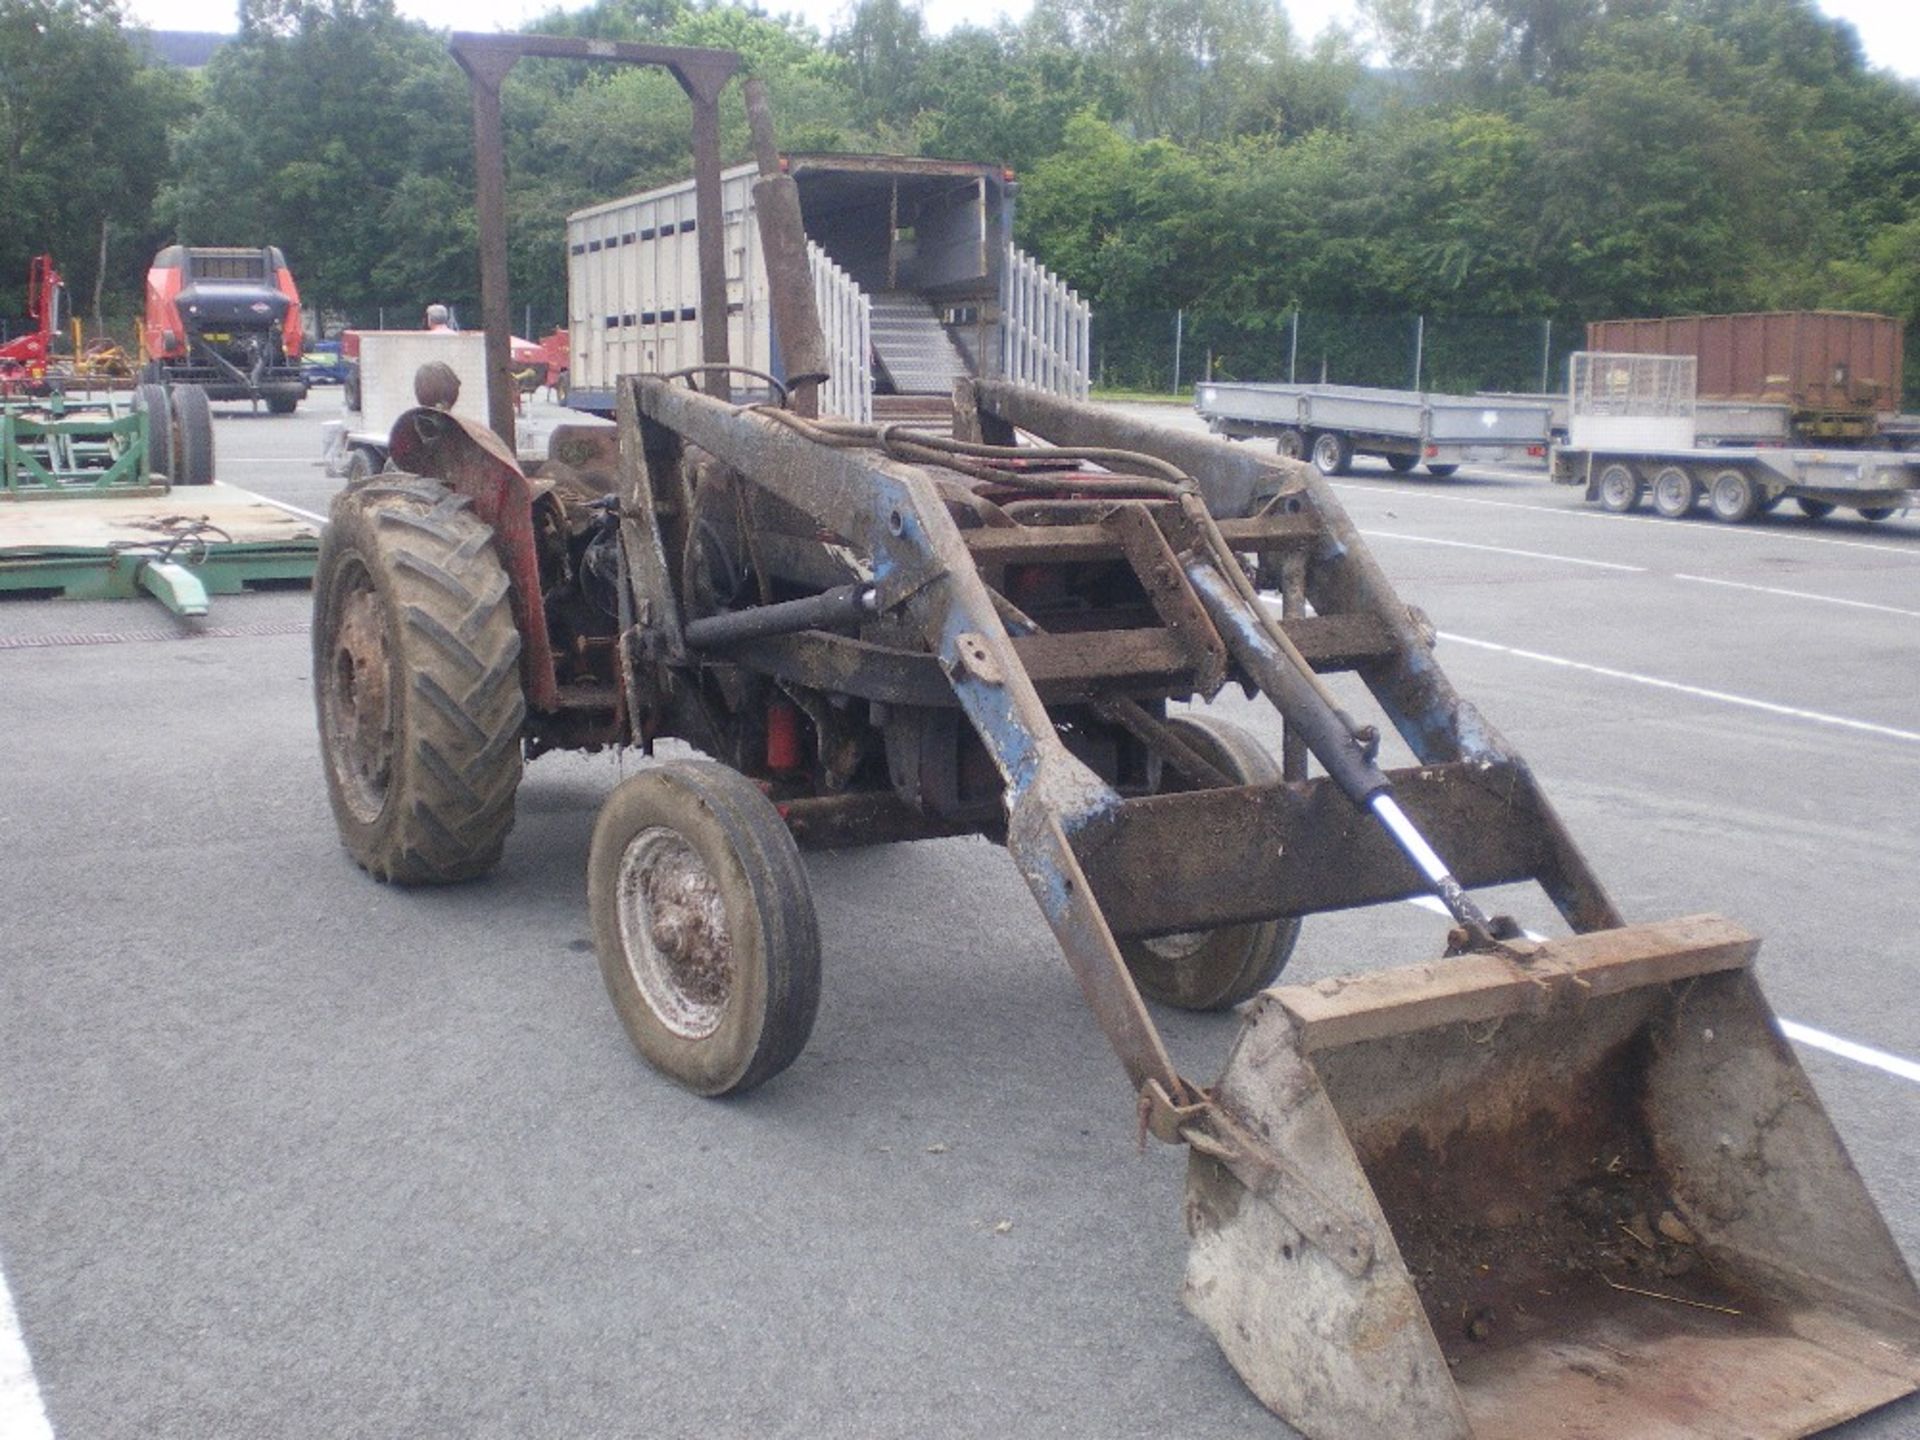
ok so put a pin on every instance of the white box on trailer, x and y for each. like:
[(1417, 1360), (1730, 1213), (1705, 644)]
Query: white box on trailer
[(389, 358)]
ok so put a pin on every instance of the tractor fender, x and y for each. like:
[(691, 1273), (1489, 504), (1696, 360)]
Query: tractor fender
[(472, 461)]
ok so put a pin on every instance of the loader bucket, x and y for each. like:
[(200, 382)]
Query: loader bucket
[(1601, 1197)]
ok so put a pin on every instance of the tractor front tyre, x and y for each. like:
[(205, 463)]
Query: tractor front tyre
[(704, 924), (416, 680), (1214, 969)]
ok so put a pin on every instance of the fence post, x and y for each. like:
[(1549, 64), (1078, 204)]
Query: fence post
[(1293, 345), (1546, 354), (1419, 348), (1179, 334)]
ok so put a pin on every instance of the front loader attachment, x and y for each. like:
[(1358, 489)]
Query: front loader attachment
[(1571, 1188), (1600, 1196)]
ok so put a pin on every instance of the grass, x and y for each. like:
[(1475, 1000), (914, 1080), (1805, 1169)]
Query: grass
[(1143, 397)]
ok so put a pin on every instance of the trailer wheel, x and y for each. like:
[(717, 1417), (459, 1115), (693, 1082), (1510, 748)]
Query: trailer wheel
[(151, 400), (1813, 509), (1401, 464), (1674, 492), (704, 925), (1441, 472), (416, 681), (1876, 512), (1733, 497), (1332, 453), (1290, 444), (1214, 969), (1619, 489), (192, 435)]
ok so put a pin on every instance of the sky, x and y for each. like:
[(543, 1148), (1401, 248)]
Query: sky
[(1889, 29)]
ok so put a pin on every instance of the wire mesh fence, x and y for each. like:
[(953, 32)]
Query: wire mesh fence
[(1168, 351)]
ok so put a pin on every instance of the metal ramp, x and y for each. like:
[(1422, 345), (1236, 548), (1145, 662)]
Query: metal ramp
[(914, 349)]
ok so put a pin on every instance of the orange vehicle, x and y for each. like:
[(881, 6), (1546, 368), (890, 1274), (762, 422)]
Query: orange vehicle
[(227, 320)]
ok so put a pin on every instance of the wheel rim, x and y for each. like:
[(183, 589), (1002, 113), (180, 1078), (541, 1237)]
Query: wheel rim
[(1673, 492), (1172, 949), (1731, 496), (1618, 487), (359, 703), (1326, 453), (1288, 445), (673, 932)]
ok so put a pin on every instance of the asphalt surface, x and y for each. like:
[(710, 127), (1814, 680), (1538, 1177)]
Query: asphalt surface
[(284, 1152)]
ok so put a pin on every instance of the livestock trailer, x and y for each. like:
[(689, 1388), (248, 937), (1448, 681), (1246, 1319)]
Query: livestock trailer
[(915, 273)]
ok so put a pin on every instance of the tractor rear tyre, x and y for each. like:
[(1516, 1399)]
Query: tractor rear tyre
[(704, 924), (192, 435), (152, 401), (416, 680), (1214, 969)]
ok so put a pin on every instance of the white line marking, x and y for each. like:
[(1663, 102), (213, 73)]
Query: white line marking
[(1799, 595), (1751, 532), (1789, 711), (23, 1415), (292, 509), (1851, 1050), (1819, 1039), (1501, 550)]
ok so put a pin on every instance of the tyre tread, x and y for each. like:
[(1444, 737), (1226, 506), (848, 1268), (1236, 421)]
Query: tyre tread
[(455, 782)]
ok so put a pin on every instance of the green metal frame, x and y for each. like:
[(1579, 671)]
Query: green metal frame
[(86, 573), (47, 453)]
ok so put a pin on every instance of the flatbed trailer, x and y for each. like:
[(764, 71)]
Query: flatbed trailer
[(1634, 433), (1739, 482), (1330, 424), (178, 546)]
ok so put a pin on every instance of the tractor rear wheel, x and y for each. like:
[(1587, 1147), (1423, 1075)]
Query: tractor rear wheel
[(1214, 969), (416, 680), (192, 435), (704, 924)]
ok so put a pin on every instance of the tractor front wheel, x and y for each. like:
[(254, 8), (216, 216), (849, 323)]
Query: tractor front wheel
[(1214, 969), (416, 680), (704, 925)]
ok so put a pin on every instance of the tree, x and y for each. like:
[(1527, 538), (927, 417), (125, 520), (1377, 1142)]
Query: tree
[(327, 125), (83, 137)]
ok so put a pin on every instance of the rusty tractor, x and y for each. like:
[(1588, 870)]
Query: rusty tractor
[(1574, 1186)]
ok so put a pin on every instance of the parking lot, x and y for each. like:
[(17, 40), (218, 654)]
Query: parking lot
[(290, 1153)]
